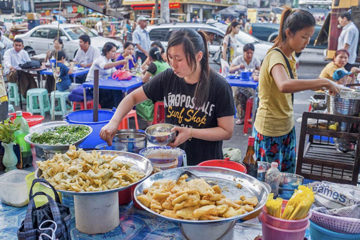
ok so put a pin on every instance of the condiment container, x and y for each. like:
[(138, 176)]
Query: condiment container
[(13, 190)]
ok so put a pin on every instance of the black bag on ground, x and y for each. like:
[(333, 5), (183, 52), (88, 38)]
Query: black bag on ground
[(33, 64), (59, 215)]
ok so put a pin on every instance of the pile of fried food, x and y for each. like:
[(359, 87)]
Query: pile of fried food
[(80, 171), (193, 200)]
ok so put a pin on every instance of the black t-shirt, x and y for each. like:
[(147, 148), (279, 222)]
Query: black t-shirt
[(152, 68), (179, 110)]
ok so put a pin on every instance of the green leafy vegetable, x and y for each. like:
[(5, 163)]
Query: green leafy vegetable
[(7, 131), (61, 135)]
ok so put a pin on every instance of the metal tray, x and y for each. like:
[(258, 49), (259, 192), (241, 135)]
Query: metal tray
[(138, 162), (226, 178), (54, 148)]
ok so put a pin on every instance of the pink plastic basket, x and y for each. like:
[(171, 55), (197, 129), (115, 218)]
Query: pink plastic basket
[(335, 223)]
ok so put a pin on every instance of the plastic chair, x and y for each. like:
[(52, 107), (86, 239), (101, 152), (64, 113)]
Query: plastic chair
[(61, 108), (247, 119), (37, 101), (125, 122), (89, 105), (159, 113), (14, 95)]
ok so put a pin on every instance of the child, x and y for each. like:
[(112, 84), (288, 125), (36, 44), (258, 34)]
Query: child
[(274, 131), (62, 72)]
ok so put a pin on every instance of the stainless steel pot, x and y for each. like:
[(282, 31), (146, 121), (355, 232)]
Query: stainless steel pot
[(129, 140)]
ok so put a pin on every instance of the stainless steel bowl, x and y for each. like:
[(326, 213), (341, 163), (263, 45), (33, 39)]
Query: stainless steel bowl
[(129, 140), (61, 148), (227, 179), (137, 162), (160, 134)]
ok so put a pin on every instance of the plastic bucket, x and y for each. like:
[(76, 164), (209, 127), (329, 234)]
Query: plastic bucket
[(245, 76), (283, 223), (273, 233), (86, 117), (225, 164), (320, 233)]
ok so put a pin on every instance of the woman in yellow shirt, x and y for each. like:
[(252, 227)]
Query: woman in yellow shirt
[(340, 60), (275, 138)]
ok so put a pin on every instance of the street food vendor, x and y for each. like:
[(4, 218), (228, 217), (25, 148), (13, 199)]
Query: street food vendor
[(275, 138), (197, 100)]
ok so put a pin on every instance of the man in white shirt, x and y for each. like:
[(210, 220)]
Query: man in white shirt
[(100, 27), (85, 55), (141, 39), (349, 38), (12, 59)]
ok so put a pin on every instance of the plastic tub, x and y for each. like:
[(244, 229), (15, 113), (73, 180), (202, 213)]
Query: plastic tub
[(320, 233), (273, 233), (86, 117), (13, 189), (32, 120), (164, 157), (225, 164), (283, 223)]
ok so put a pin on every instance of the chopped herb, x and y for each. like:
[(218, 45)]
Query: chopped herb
[(61, 135)]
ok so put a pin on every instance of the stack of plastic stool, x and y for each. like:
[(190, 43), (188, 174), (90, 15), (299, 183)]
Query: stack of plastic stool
[(124, 123)]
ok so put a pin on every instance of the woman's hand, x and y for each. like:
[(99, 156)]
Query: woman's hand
[(108, 132), (184, 134), (129, 57), (333, 87)]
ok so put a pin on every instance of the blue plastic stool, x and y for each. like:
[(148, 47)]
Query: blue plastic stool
[(11, 108), (61, 108), (37, 101)]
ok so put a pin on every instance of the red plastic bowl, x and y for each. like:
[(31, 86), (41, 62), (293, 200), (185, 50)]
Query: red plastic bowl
[(32, 120), (24, 114), (226, 163)]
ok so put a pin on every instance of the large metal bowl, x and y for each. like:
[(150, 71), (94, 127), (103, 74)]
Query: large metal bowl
[(226, 178), (61, 148), (137, 162), (160, 134)]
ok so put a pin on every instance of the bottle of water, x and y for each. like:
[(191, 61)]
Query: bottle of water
[(19, 139), (139, 63), (273, 177)]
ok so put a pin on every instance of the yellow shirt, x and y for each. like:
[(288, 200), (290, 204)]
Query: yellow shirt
[(275, 112), (328, 71)]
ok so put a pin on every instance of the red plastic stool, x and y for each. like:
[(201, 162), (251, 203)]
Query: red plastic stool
[(159, 113), (247, 119), (89, 105), (124, 123)]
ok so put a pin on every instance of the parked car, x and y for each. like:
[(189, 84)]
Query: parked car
[(41, 38), (162, 33), (269, 31)]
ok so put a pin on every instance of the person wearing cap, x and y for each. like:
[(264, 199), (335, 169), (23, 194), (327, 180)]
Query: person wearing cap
[(349, 38), (339, 62), (245, 62), (141, 39)]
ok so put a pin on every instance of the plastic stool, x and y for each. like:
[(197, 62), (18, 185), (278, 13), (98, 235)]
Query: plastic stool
[(247, 119), (60, 109), (124, 123), (11, 108), (37, 101), (89, 105), (14, 95), (159, 113)]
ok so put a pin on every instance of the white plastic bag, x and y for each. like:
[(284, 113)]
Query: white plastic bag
[(225, 68)]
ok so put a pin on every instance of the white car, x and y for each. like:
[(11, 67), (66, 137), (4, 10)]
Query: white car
[(162, 33), (41, 39)]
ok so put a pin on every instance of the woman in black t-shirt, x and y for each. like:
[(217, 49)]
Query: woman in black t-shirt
[(197, 100)]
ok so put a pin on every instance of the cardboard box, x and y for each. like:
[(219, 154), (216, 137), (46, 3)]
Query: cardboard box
[(31, 16)]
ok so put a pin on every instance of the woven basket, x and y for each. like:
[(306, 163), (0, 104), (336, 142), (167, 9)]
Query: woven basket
[(335, 223)]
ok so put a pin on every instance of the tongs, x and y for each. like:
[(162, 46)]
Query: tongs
[(193, 176)]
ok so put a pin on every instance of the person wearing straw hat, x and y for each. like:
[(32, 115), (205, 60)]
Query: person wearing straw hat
[(141, 39)]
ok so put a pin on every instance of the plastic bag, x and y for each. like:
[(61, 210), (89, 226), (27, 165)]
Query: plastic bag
[(122, 75)]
